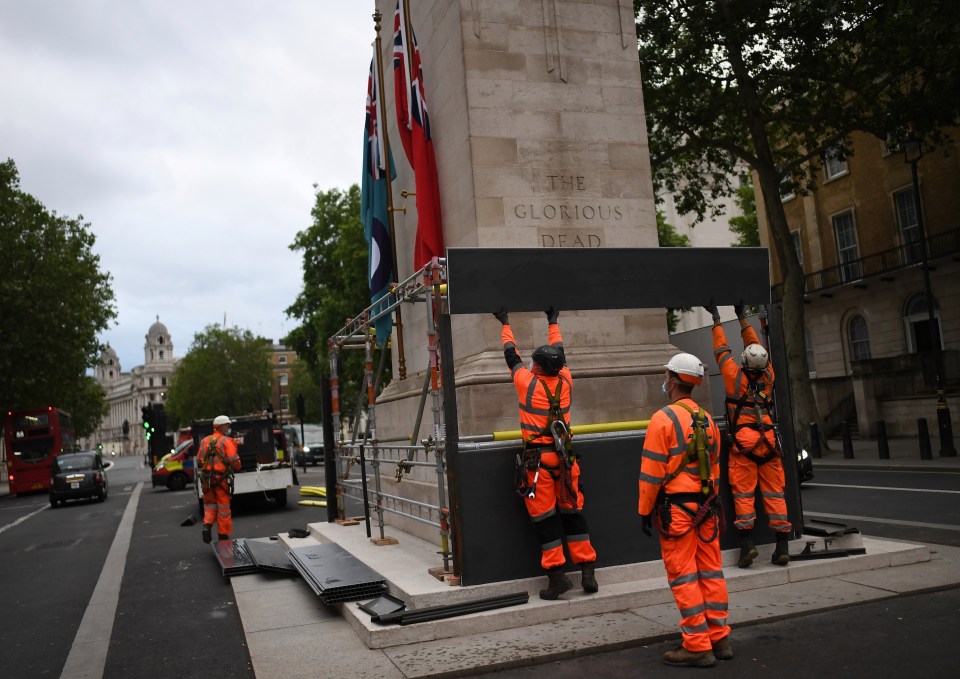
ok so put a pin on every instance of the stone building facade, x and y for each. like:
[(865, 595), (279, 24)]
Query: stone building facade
[(127, 392), (861, 245)]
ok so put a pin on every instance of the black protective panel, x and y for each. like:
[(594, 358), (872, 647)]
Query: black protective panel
[(234, 557), (383, 605), (499, 543), (482, 280), (267, 555), (335, 575)]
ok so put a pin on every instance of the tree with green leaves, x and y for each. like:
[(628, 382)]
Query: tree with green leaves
[(335, 289), (226, 371), (745, 224), (667, 237), (778, 84), (55, 302)]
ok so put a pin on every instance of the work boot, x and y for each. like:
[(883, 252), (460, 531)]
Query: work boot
[(557, 585), (681, 657), (224, 537), (781, 553), (206, 533), (722, 649), (748, 550), (587, 578)]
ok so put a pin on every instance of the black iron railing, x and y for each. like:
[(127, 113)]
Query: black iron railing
[(879, 264)]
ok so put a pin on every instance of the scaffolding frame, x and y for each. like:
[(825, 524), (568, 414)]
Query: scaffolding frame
[(427, 285)]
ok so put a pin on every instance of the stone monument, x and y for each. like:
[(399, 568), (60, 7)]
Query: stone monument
[(536, 111)]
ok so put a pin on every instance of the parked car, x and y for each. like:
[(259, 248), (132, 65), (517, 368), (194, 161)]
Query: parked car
[(79, 475), (312, 453)]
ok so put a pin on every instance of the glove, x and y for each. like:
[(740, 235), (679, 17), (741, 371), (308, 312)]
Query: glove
[(646, 524), (552, 315), (738, 310), (502, 316), (713, 311)]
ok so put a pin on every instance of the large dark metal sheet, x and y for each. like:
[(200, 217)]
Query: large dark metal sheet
[(234, 557), (482, 280), (267, 555), (335, 575), (499, 543)]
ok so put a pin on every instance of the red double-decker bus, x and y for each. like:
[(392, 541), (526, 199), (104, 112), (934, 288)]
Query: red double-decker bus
[(33, 438)]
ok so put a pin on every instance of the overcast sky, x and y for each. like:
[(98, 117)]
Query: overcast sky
[(189, 134)]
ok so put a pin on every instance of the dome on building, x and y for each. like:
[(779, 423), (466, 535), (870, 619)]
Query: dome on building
[(158, 328), (107, 354)]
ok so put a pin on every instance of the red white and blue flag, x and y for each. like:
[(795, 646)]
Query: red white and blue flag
[(373, 204), (414, 128)]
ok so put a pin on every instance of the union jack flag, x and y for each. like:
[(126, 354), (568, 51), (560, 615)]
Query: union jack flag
[(413, 124)]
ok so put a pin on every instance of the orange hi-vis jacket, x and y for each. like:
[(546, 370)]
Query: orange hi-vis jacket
[(531, 390), (669, 432), (208, 459), (749, 419)]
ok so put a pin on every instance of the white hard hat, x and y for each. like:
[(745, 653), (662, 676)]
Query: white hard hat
[(688, 367), (755, 357), (221, 419)]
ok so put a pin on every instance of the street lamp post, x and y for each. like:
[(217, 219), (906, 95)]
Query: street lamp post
[(912, 153)]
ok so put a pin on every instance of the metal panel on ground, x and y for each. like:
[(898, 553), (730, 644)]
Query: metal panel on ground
[(482, 280), (234, 557), (335, 575), (267, 555)]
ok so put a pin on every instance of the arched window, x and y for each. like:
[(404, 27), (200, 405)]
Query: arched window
[(160, 341), (916, 322), (858, 338)]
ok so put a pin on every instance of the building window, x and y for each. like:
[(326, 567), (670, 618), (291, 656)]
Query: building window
[(282, 359), (151, 381), (163, 381), (848, 253), (916, 320), (283, 379), (110, 362), (160, 340), (795, 235), (110, 374), (858, 338), (161, 355), (833, 166), (786, 189), (284, 402), (905, 209), (808, 346)]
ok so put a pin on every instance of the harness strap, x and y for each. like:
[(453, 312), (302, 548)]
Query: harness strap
[(696, 451)]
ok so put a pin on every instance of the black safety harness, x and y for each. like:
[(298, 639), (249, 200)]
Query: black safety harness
[(530, 459), (753, 399), (210, 477), (706, 499)]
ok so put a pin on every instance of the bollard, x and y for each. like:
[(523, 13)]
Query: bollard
[(924, 435), (883, 446), (814, 440), (847, 441)]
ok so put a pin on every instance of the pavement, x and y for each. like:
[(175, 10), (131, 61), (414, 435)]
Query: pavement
[(290, 633)]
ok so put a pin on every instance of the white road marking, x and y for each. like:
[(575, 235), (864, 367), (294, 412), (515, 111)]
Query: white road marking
[(88, 653), (22, 519), (877, 519), (905, 490)]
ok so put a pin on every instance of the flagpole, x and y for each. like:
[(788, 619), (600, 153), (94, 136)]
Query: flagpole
[(401, 359)]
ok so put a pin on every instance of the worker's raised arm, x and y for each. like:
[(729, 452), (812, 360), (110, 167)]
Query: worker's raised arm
[(553, 330), (509, 343)]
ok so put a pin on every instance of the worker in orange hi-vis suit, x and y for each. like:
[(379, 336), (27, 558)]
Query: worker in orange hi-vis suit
[(217, 460), (679, 471), (755, 458), (548, 472)]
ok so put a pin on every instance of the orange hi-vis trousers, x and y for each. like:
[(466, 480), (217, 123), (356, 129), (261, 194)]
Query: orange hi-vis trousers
[(216, 508), (695, 575), (744, 475), (557, 516)]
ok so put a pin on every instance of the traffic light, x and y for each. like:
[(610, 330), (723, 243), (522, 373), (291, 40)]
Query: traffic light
[(100, 447), (159, 422), (148, 421)]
